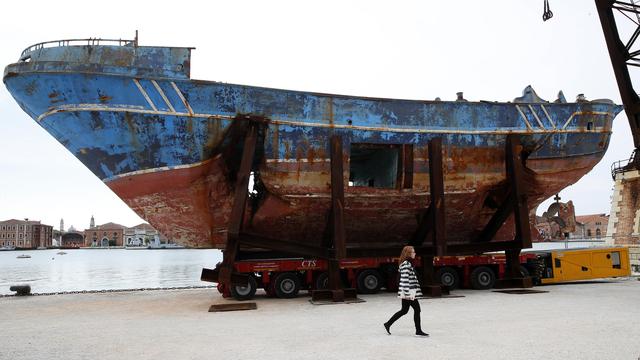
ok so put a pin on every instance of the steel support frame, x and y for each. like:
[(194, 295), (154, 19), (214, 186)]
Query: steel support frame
[(622, 57), (335, 238), (238, 210), (516, 203), (432, 225)]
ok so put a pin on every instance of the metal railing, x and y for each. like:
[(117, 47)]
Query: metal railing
[(72, 42), (621, 166)]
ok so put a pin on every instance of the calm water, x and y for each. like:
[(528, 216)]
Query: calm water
[(88, 269)]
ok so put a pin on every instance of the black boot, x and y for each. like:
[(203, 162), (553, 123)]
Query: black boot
[(387, 327), (421, 333)]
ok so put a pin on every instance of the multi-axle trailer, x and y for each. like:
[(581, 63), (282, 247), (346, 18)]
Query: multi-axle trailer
[(285, 277)]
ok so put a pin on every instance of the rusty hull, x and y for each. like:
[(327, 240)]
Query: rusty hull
[(170, 146)]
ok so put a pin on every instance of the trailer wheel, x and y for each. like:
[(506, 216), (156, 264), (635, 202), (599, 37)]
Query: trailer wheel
[(482, 278), (448, 277), (369, 281), (244, 292), (287, 285)]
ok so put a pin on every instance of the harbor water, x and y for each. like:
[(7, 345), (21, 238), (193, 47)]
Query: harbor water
[(104, 269)]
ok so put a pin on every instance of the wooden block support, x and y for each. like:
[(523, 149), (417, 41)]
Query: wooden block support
[(238, 306)]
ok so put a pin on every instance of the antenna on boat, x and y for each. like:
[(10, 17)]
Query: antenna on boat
[(135, 40)]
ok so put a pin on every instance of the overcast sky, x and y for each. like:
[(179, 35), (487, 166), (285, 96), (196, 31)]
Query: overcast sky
[(490, 50)]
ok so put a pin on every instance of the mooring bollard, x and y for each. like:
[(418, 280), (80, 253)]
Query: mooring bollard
[(21, 290)]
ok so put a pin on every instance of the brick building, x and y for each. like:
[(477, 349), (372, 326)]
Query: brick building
[(105, 235), (591, 226), (624, 223), (25, 234)]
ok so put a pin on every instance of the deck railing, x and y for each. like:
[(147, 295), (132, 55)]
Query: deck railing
[(74, 42)]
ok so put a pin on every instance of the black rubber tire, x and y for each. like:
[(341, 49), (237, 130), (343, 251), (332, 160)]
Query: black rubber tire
[(286, 285), (369, 281), (244, 292), (322, 281), (482, 278), (524, 271), (448, 277)]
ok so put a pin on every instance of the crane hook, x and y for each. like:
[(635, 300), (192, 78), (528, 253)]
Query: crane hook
[(547, 11)]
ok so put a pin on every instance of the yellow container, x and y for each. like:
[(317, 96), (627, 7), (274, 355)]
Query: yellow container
[(586, 264)]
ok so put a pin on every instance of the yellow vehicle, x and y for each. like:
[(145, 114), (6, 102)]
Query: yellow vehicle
[(582, 264)]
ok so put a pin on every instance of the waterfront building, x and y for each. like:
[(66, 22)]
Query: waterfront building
[(105, 235), (591, 227), (71, 238), (140, 235), (25, 234)]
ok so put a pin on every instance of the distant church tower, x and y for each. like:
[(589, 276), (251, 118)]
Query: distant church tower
[(61, 225), (92, 224)]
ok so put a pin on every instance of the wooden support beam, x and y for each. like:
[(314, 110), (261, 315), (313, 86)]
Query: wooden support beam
[(239, 204), (233, 307)]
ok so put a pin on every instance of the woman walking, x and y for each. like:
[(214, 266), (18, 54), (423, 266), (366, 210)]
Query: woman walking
[(408, 290)]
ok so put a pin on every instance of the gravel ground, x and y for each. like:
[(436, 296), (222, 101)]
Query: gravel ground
[(596, 320)]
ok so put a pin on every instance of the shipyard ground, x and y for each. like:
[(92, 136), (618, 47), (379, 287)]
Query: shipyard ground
[(597, 320)]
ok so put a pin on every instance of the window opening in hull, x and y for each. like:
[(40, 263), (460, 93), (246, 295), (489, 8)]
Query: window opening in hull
[(381, 166)]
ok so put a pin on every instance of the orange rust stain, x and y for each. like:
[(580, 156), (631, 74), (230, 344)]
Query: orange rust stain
[(311, 155), (104, 98), (287, 150)]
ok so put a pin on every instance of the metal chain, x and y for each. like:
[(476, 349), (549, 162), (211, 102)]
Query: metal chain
[(114, 290)]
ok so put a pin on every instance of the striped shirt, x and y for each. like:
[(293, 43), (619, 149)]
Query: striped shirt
[(408, 281)]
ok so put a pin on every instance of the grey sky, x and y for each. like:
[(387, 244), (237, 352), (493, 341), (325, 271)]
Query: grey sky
[(490, 50)]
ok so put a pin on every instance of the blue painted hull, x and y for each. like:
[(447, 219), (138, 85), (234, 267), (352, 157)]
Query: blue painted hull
[(158, 139)]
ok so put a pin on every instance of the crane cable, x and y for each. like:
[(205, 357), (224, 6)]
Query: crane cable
[(547, 11)]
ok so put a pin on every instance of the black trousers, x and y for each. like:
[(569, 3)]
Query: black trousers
[(405, 309)]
